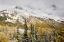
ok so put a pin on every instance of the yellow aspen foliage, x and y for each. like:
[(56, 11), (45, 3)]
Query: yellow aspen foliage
[(20, 35), (42, 31), (29, 35), (60, 35), (38, 24), (0, 26), (3, 38)]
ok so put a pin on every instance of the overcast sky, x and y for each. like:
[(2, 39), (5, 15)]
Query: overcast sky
[(52, 7)]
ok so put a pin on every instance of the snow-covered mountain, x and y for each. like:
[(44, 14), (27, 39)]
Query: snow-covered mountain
[(19, 21), (18, 12), (15, 13)]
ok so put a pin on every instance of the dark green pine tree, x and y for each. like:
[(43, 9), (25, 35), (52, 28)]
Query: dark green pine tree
[(17, 33), (34, 34), (25, 37), (17, 37)]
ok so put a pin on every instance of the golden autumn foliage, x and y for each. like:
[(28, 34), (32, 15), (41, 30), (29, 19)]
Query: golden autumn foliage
[(43, 31), (4, 38), (8, 30), (60, 35)]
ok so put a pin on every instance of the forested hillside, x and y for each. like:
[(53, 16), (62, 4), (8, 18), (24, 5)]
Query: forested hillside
[(16, 27)]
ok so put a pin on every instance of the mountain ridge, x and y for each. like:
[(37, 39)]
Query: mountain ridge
[(18, 13)]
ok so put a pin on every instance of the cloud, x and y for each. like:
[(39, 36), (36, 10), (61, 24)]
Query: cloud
[(15, 2), (2, 7), (56, 7), (53, 7)]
